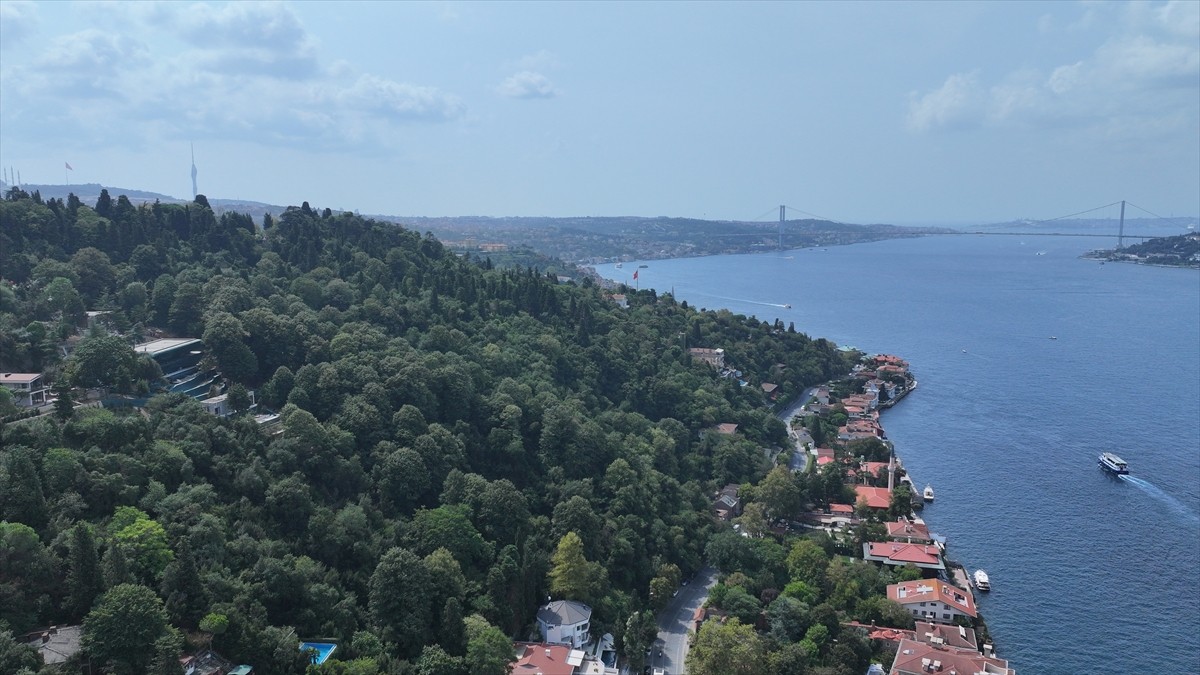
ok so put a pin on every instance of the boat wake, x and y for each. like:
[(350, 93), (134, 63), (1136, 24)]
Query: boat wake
[(780, 305), (1153, 490)]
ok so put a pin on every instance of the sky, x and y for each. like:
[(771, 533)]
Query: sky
[(865, 112)]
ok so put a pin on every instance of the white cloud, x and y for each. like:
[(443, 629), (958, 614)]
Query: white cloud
[(396, 100), (959, 99), (242, 71), (527, 84), (18, 20), (1144, 76)]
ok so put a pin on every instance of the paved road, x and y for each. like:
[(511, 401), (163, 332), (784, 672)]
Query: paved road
[(800, 436), (676, 620)]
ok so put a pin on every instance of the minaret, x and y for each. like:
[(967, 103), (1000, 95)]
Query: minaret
[(891, 471), (194, 190)]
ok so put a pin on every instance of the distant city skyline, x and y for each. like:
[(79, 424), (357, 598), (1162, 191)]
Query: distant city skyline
[(855, 112)]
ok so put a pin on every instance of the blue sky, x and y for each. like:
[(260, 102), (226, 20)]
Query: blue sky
[(862, 112)]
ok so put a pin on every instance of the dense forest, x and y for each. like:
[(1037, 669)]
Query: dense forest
[(457, 441)]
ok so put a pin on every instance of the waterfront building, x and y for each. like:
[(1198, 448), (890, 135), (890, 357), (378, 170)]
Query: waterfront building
[(933, 600)]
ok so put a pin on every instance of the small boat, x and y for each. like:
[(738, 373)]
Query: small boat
[(981, 581), (1110, 462), (642, 267), (787, 306), (1053, 337), (620, 265), (928, 493)]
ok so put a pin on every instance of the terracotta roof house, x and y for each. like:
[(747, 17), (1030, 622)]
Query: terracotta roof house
[(536, 658), (906, 530), (919, 658), (727, 428), (933, 600), (876, 498), (956, 637), (925, 556), (565, 622), (770, 389), (841, 509)]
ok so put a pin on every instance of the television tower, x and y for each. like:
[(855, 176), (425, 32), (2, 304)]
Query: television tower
[(194, 190)]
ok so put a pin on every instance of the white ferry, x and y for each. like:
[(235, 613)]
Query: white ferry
[(981, 581), (928, 493), (1110, 462)]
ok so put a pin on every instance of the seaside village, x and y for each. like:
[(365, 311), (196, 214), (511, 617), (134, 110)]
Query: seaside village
[(949, 635)]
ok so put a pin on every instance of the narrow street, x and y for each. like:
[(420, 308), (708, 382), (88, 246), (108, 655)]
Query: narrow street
[(670, 649)]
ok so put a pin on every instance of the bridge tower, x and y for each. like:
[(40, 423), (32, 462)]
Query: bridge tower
[(782, 217), (1121, 231)]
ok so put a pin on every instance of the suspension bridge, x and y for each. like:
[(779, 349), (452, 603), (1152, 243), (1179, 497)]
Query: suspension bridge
[(993, 230)]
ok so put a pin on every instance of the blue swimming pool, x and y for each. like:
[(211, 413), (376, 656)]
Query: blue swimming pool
[(322, 649)]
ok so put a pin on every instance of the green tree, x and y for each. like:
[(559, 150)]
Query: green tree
[(489, 651), (807, 562), (780, 494), (181, 585), (22, 500), (84, 581), (435, 661), (730, 648), (641, 630), (400, 600), (571, 576), (123, 627), (17, 657), (102, 361), (143, 542), (239, 399), (114, 567), (27, 574), (64, 404)]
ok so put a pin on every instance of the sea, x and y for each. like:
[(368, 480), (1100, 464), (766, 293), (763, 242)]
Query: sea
[(1031, 361)]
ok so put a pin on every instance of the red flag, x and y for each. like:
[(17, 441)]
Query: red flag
[(69, 167), (635, 274)]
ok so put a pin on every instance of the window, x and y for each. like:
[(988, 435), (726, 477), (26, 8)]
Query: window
[(945, 616)]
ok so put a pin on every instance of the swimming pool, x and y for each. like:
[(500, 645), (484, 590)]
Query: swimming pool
[(322, 649)]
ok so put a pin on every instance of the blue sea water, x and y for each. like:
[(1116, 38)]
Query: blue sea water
[(1090, 573)]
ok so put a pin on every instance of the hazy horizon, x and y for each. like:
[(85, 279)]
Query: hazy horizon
[(905, 113)]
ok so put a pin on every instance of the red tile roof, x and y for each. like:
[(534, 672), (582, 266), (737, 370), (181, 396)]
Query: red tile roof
[(876, 498), (726, 428), (912, 657), (534, 657), (903, 529), (841, 508), (932, 590), (897, 552)]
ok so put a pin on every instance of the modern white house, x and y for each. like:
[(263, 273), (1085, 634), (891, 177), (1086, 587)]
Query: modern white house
[(565, 622), (27, 388)]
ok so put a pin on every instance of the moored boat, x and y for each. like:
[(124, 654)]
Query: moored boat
[(981, 581), (928, 493), (1110, 462)]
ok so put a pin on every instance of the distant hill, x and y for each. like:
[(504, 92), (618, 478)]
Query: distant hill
[(580, 239)]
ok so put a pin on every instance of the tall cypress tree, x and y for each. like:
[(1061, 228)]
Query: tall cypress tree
[(84, 582), (186, 599), (22, 497)]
